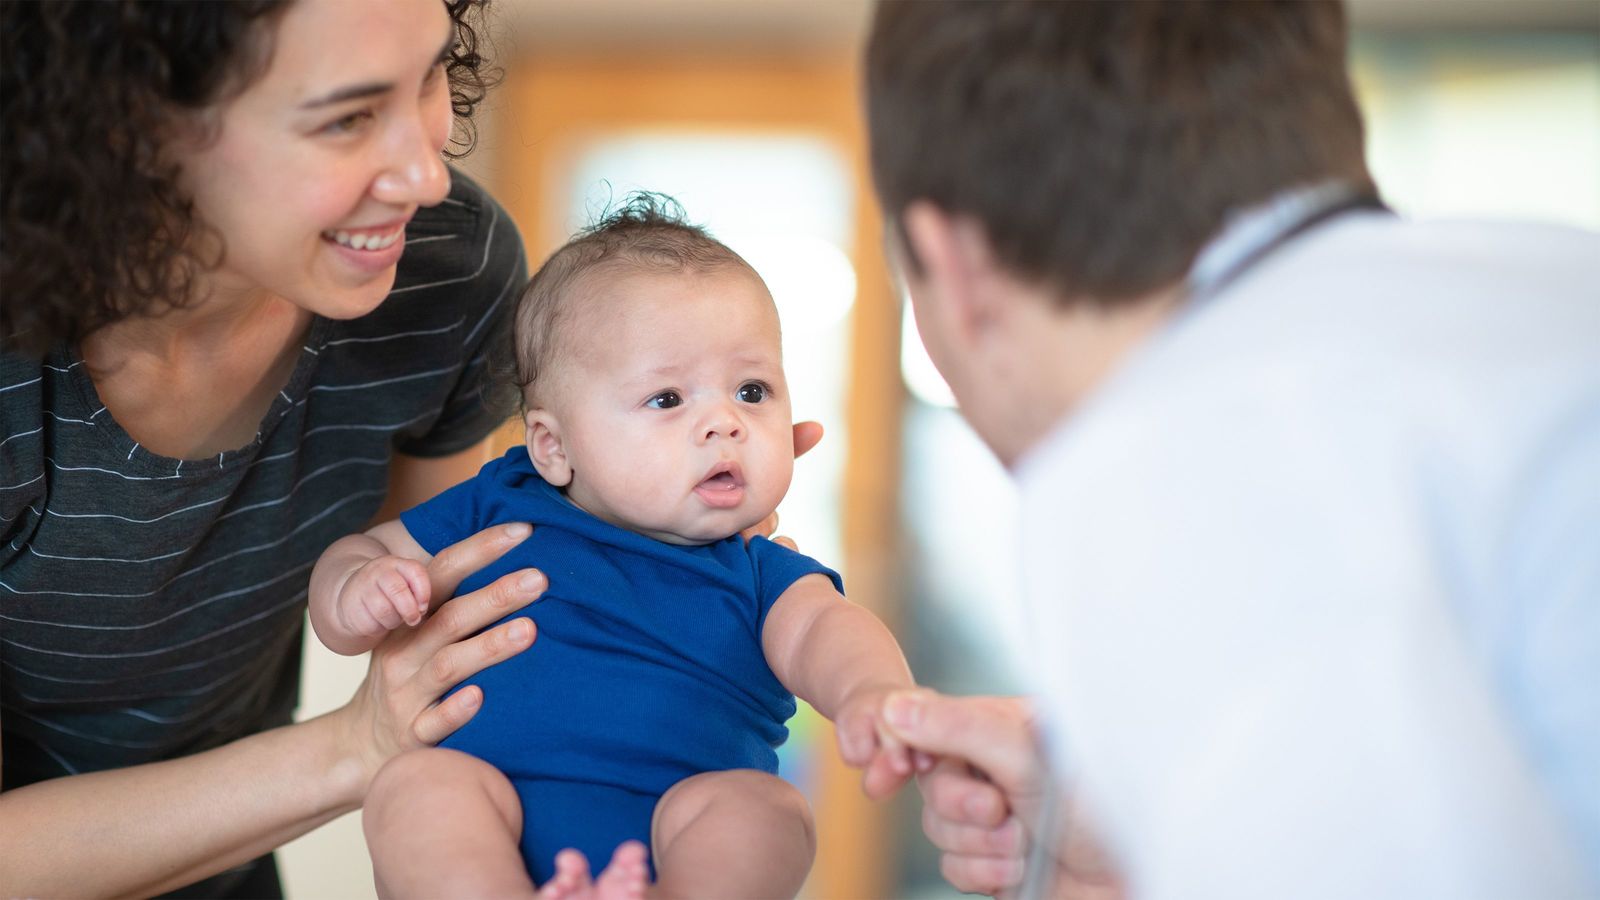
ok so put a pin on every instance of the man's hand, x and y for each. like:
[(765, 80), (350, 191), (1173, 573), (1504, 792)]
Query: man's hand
[(866, 743), (986, 792)]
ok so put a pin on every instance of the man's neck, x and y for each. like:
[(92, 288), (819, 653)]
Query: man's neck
[(1065, 354)]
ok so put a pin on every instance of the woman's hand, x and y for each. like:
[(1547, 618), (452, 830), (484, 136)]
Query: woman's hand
[(397, 707), (986, 791), (806, 436)]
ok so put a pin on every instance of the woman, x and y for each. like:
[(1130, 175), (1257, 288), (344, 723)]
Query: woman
[(216, 361)]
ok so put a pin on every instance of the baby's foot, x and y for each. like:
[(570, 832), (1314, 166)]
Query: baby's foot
[(627, 876), (571, 880)]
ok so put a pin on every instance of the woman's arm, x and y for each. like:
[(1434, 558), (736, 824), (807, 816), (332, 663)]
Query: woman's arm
[(151, 828)]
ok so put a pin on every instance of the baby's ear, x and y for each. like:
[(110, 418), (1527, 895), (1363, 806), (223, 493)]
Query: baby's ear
[(549, 455)]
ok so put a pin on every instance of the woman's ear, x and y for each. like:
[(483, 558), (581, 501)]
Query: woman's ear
[(545, 449)]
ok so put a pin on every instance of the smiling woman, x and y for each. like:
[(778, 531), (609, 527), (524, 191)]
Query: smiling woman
[(246, 302)]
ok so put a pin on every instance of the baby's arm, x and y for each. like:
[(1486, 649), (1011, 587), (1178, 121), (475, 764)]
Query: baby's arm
[(366, 585), (843, 661)]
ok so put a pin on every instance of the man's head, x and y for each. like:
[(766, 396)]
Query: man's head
[(651, 366), (1087, 151)]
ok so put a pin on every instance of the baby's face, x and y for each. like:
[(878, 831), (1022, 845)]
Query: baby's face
[(671, 405)]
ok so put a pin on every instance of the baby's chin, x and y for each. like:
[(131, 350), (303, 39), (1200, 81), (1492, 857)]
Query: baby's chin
[(708, 532)]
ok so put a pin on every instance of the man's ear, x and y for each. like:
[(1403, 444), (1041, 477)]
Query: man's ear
[(545, 449), (957, 262)]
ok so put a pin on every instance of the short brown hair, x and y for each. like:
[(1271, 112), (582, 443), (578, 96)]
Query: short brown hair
[(647, 231), (1101, 143)]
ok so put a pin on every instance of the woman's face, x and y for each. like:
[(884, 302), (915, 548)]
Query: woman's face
[(316, 167)]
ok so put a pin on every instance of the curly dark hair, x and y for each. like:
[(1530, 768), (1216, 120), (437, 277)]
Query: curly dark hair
[(94, 227)]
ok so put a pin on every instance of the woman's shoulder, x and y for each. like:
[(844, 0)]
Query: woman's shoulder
[(463, 257), (467, 237)]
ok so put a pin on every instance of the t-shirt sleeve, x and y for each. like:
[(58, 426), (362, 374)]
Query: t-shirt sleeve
[(23, 482), (453, 515), (778, 567), (486, 285)]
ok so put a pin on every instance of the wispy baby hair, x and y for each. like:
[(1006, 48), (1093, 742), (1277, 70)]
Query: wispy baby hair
[(646, 231)]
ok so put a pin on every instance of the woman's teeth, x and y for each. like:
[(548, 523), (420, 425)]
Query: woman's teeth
[(364, 241)]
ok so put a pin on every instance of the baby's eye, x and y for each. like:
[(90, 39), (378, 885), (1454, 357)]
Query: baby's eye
[(753, 392), (664, 400)]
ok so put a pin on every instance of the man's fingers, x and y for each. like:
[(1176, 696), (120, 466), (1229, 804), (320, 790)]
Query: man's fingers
[(993, 734), (981, 874), (454, 563), (973, 840), (880, 781), (953, 792), (806, 436)]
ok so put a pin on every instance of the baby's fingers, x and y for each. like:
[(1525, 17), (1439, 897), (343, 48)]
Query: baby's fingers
[(858, 740), (412, 601), (380, 606), (897, 754), (881, 780)]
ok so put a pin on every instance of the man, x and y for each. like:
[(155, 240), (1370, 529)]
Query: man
[(1311, 493)]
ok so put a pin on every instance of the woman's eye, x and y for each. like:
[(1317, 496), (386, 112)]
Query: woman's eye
[(349, 123), (754, 392), (664, 400)]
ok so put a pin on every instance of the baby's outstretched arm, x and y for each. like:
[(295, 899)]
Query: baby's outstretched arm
[(366, 585), (843, 661)]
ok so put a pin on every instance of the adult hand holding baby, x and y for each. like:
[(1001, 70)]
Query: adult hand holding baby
[(397, 707)]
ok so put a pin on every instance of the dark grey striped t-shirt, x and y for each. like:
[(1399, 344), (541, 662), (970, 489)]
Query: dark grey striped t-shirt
[(152, 607)]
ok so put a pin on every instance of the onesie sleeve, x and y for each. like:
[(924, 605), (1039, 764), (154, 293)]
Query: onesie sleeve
[(455, 514), (777, 567)]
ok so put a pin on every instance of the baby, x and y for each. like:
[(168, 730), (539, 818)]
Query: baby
[(641, 725)]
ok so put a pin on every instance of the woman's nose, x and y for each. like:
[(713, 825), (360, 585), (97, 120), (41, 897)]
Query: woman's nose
[(414, 173)]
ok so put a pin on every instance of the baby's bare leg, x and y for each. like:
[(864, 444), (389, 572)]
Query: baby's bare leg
[(440, 823), (735, 834)]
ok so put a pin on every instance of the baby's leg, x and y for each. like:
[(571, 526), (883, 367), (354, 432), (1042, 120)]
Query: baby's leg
[(440, 823), (735, 834)]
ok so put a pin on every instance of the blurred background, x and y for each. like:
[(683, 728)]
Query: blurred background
[(748, 113)]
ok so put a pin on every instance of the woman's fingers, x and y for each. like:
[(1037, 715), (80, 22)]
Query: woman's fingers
[(469, 613), (443, 718), (463, 659), (454, 563)]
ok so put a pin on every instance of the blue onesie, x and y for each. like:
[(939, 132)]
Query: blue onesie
[(647, 668)]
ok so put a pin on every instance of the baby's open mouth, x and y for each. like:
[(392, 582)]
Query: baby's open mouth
[(721, 481), (722, 486)]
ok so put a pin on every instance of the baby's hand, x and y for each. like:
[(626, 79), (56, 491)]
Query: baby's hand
[(383, 593), (865, 743)]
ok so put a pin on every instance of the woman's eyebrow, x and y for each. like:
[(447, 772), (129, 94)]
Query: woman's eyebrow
[(371, 88)]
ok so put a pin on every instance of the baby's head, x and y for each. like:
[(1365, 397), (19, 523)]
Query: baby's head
[(651, 370)]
